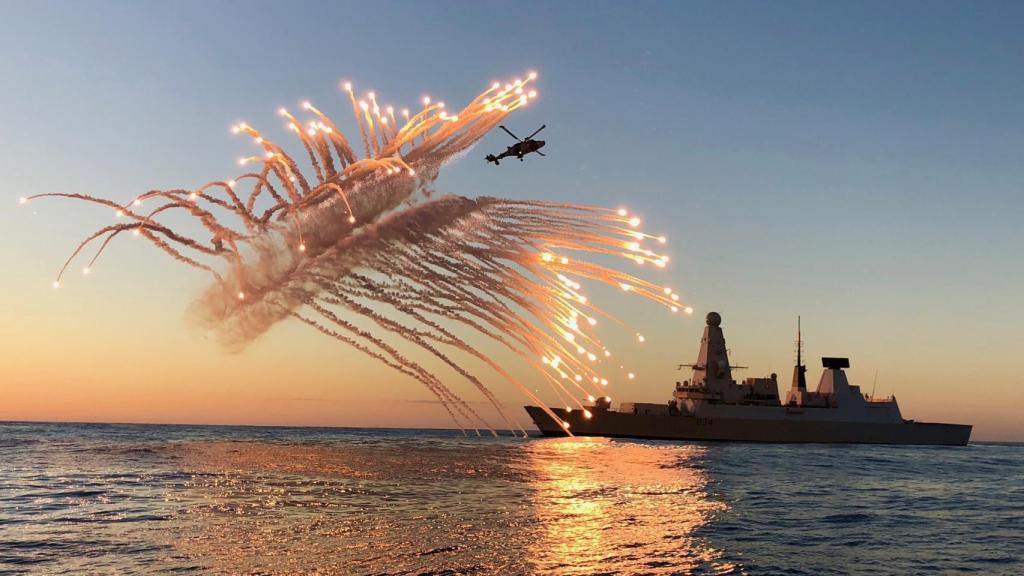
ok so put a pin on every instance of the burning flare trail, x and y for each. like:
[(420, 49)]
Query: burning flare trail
[(356, 241)]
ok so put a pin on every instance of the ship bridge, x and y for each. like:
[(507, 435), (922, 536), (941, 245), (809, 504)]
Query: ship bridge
[(712, 381)]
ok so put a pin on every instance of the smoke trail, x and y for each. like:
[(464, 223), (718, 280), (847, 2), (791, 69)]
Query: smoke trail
[(357, 242)]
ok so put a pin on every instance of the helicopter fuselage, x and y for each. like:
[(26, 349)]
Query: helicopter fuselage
[(518, 150), (521, 148)]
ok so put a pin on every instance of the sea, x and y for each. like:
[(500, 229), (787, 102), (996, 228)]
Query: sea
[(156, 499)]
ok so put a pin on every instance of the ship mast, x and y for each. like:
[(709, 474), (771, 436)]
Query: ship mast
[(799, 371)]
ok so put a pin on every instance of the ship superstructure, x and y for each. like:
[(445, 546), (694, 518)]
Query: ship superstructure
[(712, 405)]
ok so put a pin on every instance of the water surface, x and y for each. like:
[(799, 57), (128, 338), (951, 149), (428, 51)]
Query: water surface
[(100, 499)]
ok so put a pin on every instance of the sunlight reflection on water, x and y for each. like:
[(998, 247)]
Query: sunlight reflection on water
[(567, 506), (104, 499), (605, 506)]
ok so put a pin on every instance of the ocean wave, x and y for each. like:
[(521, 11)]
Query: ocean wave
[(138, 499)]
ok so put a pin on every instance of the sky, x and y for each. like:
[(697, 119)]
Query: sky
[(858, 164)]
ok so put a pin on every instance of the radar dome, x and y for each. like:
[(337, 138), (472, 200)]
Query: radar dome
[(714, 319)]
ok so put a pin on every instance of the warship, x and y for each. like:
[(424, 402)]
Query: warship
[(713, 406)]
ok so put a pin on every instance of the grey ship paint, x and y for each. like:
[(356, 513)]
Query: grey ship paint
[(713, 406)]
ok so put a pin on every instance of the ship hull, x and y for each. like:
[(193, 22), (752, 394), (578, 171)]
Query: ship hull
[(680, 427)]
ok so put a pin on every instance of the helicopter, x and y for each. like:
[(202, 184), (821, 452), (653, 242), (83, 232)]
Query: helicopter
[(520, 148)]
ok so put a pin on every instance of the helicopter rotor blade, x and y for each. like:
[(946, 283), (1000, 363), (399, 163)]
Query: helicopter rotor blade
[(541, 153), (509, 133), (542, 126)]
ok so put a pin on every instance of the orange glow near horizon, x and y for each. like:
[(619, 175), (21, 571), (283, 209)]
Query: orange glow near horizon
[(101, 351)]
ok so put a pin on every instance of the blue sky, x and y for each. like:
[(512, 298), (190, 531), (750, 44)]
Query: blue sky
[(856, 163)]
